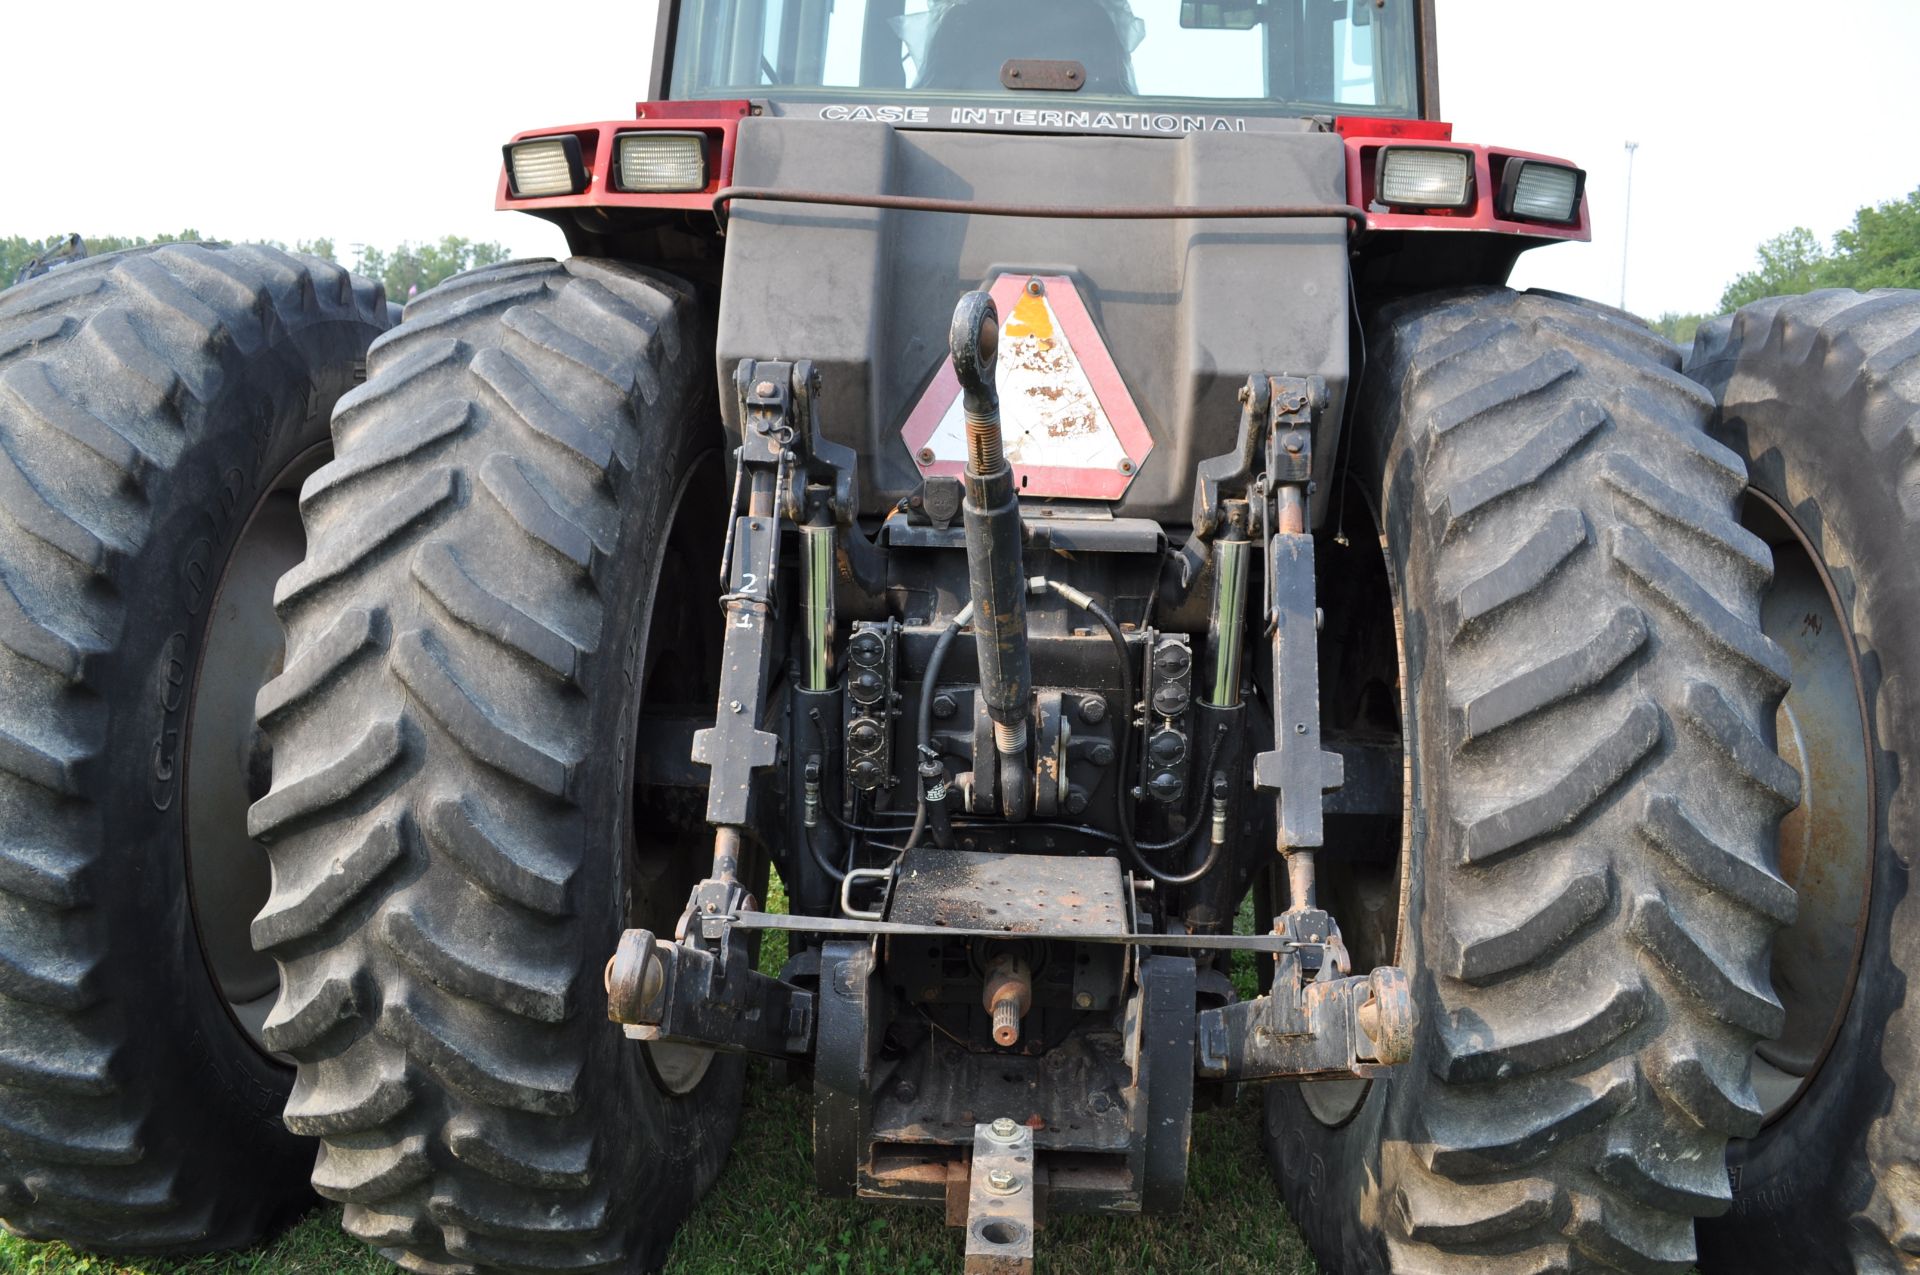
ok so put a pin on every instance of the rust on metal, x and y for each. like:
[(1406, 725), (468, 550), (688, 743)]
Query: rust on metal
[(1000, 1200), (1828, 841), (1022, 894), (1007, 997)]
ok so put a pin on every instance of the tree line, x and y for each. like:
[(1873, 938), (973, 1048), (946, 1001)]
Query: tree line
[(1881, 249), (407, 269)]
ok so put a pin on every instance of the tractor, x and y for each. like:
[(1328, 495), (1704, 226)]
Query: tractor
[(1049, 483)]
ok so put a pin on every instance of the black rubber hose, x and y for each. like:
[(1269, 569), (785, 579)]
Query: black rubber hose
[(923, 734), (1121, 814), (1199, 817), (826, 864)]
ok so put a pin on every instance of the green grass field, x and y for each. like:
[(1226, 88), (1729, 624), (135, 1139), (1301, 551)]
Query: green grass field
[(762, 1217)]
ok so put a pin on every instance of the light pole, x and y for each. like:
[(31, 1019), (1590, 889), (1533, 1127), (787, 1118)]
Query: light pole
[(1626, 227)]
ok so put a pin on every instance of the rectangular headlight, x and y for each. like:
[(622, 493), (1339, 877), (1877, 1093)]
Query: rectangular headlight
[(545, 166), (660, 162), (1535, 191), (1424, 177)]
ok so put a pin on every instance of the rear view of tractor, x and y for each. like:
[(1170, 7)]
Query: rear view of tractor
[(1042, 480)]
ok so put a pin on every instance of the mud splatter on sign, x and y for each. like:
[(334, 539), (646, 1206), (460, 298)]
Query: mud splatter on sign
[(1069, 426)]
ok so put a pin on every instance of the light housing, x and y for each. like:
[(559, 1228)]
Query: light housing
[(659, 161), (545, 166), (1424, 177), (1534, 190)]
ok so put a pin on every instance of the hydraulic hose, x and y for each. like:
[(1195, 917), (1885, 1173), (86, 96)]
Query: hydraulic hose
[(923, 732), (825, 864), (1122, 819)]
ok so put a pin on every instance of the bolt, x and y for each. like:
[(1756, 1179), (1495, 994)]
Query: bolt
[(926, 455), (1102, 754), (1299, 728), (1001, 1182), (1093, 710), (764, 389), (1034, 286), (944, 707), (930, 993), (1076, 801), (907, 1090), (1083, 1000), (733, 705), (1099, 1103), (1005, 1128), (1126, 467)]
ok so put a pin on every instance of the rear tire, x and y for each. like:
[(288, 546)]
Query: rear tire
[(1588, 704), (152, 404), (1821, 395), (452, 821)]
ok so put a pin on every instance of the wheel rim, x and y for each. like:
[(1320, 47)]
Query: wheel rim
[(667, 845), (1826, 842), (226, 758)]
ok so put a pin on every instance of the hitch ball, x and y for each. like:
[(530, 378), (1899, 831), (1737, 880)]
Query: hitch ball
[(1008, 996)]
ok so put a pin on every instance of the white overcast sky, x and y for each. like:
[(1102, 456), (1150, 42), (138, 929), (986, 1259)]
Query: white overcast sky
[(374, 122)]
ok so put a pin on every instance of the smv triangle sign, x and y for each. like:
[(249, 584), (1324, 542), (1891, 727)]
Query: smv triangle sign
[(1069, 426)]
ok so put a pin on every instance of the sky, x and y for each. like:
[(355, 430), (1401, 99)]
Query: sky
[(254, 120)]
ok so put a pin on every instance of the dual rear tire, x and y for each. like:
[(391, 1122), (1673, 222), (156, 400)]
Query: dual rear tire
[(454, 849), (1588, 892), (158, 409), (493, 586), (1820, 394)]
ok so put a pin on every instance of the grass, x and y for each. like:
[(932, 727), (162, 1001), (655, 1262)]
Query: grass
[(763, 1217)]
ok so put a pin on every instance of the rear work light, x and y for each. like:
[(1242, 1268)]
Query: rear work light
[(1534, 191), (1424, 177), (545, 166), (660, 162)]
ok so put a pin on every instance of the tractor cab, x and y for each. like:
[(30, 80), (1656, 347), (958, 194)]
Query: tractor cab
[(1083, 58)]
